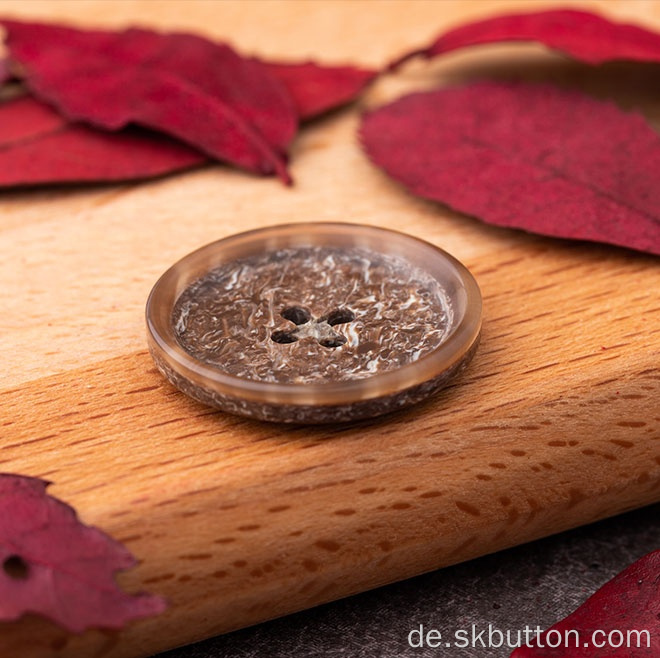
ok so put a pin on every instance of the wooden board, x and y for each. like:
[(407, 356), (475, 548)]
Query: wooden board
[(555, 424)]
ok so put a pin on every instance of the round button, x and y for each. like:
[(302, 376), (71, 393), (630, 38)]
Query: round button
[(314, 323)]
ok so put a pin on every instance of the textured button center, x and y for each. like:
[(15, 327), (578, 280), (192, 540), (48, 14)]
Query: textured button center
[(312, 314), (320, 329)]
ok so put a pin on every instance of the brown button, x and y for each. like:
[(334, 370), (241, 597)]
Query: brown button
[(314, 323)]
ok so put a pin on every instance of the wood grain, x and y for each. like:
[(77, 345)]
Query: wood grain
[(555, 424)]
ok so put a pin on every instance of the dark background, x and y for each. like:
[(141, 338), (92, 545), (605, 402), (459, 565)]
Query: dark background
[(537, 583)]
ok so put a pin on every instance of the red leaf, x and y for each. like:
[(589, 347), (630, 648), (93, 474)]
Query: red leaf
[(180, 84), (4, 72), (55, 566), (581, 34), (38, 146), (628, 602), (535, 157), (317, 89)]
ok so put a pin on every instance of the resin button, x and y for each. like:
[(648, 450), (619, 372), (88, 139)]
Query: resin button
[(314, 323)]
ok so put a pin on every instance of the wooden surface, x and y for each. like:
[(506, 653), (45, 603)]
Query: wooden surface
[(555, 424)]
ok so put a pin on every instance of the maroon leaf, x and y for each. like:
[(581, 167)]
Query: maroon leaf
[(317, 89), (585, 36), (630, 602), (200, 92), (55, 566), (535, 157), (38, 146), (4, 72)]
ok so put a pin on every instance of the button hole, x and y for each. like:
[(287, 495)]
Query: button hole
[(296, 314), (340, 316), (283, 337), (333, 341)]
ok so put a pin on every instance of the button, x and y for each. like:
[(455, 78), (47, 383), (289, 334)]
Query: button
[(314, 323)]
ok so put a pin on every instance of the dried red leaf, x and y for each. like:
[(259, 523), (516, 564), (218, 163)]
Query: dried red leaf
[(203, 93), (628, 602), (55, 566), (317, 89), (534, 157), (38, 146), (4, 71), (585, 36)]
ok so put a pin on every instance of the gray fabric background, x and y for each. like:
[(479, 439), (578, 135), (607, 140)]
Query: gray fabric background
[(537, 583)]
